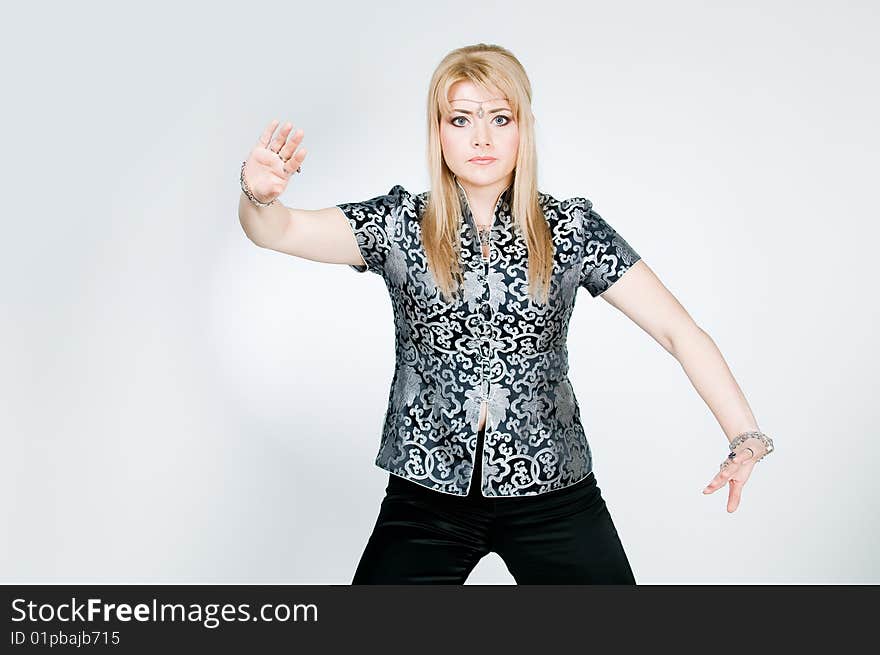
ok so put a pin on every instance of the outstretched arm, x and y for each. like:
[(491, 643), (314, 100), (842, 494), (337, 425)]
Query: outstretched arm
[(641, 296)]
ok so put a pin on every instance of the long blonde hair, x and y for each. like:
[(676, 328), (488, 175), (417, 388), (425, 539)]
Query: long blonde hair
[(488, 67)]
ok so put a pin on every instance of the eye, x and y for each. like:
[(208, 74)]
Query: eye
[(507, 120)]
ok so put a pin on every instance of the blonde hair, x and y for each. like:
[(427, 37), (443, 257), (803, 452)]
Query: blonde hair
[(488, 67)]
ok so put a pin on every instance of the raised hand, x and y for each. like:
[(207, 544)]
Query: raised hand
[(272, 162)]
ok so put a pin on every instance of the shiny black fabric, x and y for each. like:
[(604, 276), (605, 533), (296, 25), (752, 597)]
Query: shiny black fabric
[(565, 536), (492, 344)]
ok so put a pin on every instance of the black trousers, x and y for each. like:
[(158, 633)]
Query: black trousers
[(422, 536)]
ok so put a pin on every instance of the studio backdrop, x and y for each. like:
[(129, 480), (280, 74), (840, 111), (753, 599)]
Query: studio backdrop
[(180, 405)]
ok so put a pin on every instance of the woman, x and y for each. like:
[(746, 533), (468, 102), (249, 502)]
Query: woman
[(482, 436)]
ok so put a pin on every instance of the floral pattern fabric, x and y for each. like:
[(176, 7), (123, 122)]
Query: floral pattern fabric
[(491, 344)]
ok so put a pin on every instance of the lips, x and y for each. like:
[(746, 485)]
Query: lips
[(481, 160)]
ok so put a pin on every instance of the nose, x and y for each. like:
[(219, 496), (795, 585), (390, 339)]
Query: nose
[(481, 134)]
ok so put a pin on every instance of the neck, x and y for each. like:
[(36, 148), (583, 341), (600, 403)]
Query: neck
[(482, 200)]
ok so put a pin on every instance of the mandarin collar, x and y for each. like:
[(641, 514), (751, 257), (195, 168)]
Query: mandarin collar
[(466, 209)]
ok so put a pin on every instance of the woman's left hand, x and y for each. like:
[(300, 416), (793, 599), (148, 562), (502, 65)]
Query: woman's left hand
[(735, 471)]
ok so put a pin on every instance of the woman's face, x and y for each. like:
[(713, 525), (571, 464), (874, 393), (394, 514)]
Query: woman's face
[(463, 135)]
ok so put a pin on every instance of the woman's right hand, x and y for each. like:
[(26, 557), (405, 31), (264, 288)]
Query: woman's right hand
[(267, 174)]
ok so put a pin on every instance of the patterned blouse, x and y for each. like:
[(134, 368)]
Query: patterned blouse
[(493, 343)]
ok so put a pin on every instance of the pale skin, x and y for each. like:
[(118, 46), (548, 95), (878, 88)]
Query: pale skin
[(324, 235)]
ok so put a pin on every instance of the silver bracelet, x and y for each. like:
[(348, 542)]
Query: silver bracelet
[(760, 436), (249, 193)]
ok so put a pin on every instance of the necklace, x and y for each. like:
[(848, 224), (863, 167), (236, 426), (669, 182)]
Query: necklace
[(484, 234)]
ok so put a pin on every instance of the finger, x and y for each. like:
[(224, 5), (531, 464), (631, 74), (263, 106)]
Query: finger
[(280, 138), (735, 495), (721, 477), (744, 456), (714, 485), (267, 134), (294, 162), (291, 145), (740, 474)]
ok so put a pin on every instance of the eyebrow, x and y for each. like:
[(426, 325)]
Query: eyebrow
[(491, 111)]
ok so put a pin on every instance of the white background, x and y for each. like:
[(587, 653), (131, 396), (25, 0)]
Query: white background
[(179, 405)]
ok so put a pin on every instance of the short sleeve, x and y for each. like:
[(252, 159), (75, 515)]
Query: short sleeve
[(372, 222), (606, 256)]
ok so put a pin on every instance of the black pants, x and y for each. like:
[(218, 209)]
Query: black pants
[(424, 536)]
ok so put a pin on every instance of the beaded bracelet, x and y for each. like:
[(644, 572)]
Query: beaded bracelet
[(760, 436), (247, 191)]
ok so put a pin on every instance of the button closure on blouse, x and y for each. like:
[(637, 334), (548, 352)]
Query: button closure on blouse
[(485, 310)]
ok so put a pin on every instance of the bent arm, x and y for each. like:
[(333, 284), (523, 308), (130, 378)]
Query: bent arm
[(321, 235), (643, 298), (262, 225)]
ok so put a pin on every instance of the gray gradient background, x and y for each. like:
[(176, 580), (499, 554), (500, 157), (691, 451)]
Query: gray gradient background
[(182, 406)]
